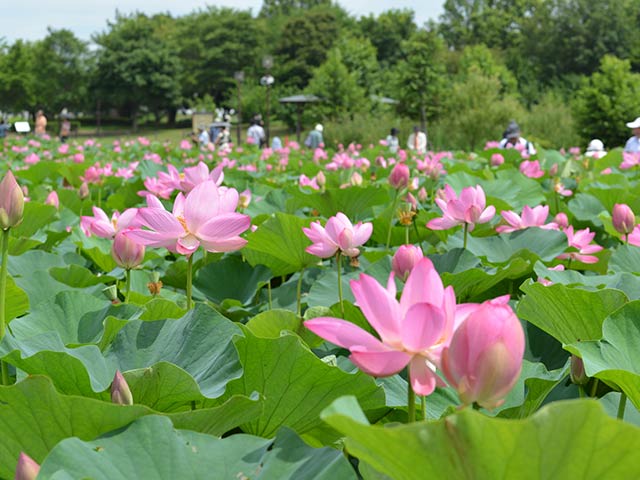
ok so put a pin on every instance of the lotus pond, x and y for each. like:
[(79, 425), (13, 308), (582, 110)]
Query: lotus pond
[(331, 314)]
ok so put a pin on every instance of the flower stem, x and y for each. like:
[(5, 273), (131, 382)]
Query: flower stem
[(466, 233), (406, 235), (189, 280), (423, 406), (411, 401), (299, 294), (622, 405), (269, 293), (127, 287), (4, 246), (393, 212), (594, 388), (100, 197), (339, 267)]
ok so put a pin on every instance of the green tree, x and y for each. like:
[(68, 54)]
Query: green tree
[(61, 59), (607, 100), (135, 68), (274, 8), (387, 32), (359, 56), (337, 87), (420, 76), (481, 58), (17, 78), (476, 112), (306, 39), (213, 45)]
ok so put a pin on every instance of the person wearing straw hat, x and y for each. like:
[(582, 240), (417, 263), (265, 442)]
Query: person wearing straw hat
[(633, 144)]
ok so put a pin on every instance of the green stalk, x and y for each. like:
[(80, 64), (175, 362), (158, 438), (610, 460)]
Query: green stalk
[(423, 406), (411, 401), (466, 233), (339, 266), (594, 388), (4, 245), (127, 288), (393, 211), (622, 405), (299, 294), (189, 280), (406, 235), (269, 292), (100, 197)]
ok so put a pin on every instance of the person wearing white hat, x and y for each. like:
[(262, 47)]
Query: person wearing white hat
[(596, 149), (633, 144), (315, 139)]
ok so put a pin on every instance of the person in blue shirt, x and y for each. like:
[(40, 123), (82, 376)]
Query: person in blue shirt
[(633, 144), (4, 127)]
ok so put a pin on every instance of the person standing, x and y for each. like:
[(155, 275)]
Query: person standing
[(256, 133), (393, 143), (41, 124), (417, 141), (65, 130), (315, 138), (4, 127), (633, 144)]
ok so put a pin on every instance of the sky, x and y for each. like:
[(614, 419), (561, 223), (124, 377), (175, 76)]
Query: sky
[(29, 19)]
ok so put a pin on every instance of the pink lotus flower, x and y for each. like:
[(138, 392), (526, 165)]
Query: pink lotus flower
[(31, 159), (52, 199), (405, 258), (629, 160), (623, 218), (125, 252), (580, 240), (531, 169), (484, 359), (120, 391), (469, 209), (205, 217), (11, 202), (399, 176), (194, 176), (27, 468), (305, 181), (101, 225), (497, 159), (491, 144), (531, 217), (412, 331), (244, 199), (339, 234), (634, 237), (561, 221), (185, 145), (545, 281), (561, 190)]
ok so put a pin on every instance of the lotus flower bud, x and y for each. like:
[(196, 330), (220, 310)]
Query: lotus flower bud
[(83, 192), (321, 179), (562, 220), (405, 258), (356, 179), (624, 220), (553, 171), (399, 176), (52, 199), (497, 159), (125, 252), (484, 358), (578, 375), (120, 392), (27, 468), (423, 195), (11, 202)]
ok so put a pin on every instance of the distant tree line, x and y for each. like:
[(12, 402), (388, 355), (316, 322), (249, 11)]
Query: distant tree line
[(566, 70)]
